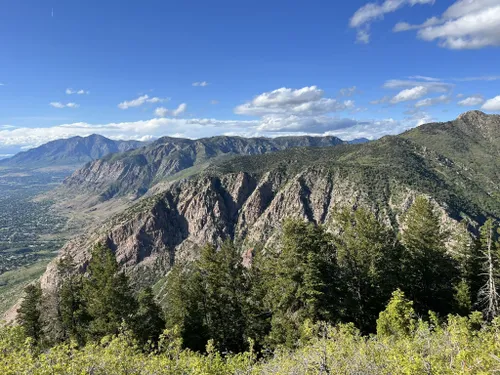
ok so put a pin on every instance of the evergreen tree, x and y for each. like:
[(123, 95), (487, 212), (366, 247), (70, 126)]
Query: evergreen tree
[(367, 255), (398, 318), (71, 305), (28, 314), (465, 251), (207, 299), (303, 284), (149, 323), (183, 303), (429, 273), (108, 297), (257, 313), (223, 296), (488, 294)]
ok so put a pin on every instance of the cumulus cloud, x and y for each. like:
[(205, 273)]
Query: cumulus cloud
[(180, 109), (431, 86), (62, 105), (410, 94), (70, 91), (428, 102), (161, 112), (383, 100), (472, 101), (367, 14), (200, 84), (466, 24), (140, 101), (492, 105), (304, 101), (348, 91)]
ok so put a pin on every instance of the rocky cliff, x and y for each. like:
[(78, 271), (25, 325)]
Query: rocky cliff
[(247, 199), (133, 173)]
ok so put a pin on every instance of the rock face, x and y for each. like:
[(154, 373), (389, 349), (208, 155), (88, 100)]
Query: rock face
[(69, 152), (133, 173), (247, 198)]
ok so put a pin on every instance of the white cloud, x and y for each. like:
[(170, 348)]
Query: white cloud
[(201, 84), (78, 92), (492, 105), (385, 99), (348, 91), (431, 86), (161, 112), (364, 16), (304, 101), (428, 102), (62, 105), (180, 109), (471, 101), (479, 78), (425, 78), (410, 94), (466, 24), (140, 101)]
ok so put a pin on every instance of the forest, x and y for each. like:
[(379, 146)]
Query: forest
[(362, 299)]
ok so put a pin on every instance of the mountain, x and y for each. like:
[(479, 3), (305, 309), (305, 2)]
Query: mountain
[(133, 173), (74, 151), (358, 141), (246, 198)]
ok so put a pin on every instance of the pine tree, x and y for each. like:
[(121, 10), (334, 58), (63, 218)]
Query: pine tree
[(107, 294), (303, 284), (257, 313), (367, 253), (149, 323), (398, 318), (223, 296), (71, 305), (28, 314), (488, 294), (429, 272), (206, 300)]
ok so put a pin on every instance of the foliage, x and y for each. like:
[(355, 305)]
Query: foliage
[(108, 297), (29, 315), (428, 268), (462, 345)]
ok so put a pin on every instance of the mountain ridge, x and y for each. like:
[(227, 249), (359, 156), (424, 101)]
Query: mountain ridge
[(73, 151)]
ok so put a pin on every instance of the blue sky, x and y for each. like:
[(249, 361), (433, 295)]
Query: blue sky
[(139, 70)]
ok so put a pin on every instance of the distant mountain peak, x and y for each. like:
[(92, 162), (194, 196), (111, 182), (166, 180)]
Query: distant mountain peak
[(472, 115)]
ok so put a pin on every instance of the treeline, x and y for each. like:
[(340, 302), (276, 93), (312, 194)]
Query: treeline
[(313, 276)]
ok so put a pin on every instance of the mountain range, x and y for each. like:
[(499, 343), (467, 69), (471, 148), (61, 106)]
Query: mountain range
[(246, 198), (71, 152)]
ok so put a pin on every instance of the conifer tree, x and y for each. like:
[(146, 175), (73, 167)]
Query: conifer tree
[(71, 305), (488, 294), (429, 273), (29, 315), (398, 318), (257, 312), (149, 323), (367, 253), (303, 284), (108, 297)]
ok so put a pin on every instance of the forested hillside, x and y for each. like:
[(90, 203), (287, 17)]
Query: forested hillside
[(362, 299)]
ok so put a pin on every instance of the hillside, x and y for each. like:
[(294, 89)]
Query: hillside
[(74, 151), (133, 173), (246, 198)]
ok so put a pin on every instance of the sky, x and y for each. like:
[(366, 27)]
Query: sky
[(197, 68)]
